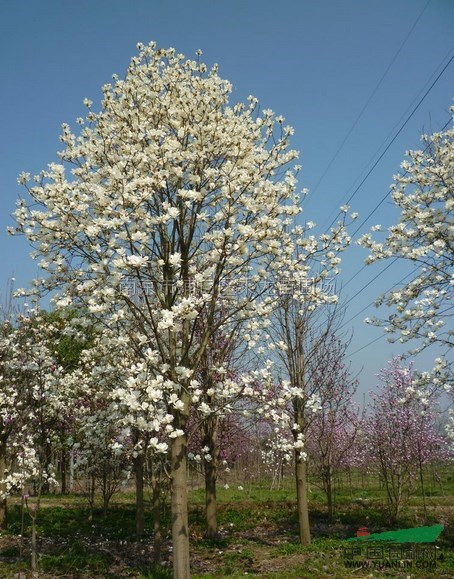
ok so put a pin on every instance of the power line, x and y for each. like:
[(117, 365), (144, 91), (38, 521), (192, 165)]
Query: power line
[(366, 219), (371, 281), (407, 120), (354, 275), (392, 130), (372, 303), (372, 94), (380, 337)]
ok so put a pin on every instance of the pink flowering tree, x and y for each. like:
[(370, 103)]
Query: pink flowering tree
[(400, 434), (332, 433)]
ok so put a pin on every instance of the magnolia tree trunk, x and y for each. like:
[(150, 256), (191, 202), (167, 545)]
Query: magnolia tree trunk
[(330, 496), (71, 471), (140, 516), (156, 510), (64, 472), (328, 485), (210, 467), (300, 461), (3, 520), (210, 499), (179, 501), (301, 498)]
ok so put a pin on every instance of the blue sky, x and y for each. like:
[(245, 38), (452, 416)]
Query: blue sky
[(346, 74)]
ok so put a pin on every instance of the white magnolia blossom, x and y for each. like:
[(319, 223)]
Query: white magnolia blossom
[(450, 427)]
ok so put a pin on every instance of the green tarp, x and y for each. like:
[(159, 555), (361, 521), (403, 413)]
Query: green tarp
[(416, 535)]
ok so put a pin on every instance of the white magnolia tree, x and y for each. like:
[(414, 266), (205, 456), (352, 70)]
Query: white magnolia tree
[(169, 203), (97, 436), (30, 405), (303, 321), (424, 236)]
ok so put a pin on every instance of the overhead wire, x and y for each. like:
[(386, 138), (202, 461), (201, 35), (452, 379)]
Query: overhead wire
[(380, 337), (371, 281), (401, 128), (383, 199), (372, 303), (369, 99)]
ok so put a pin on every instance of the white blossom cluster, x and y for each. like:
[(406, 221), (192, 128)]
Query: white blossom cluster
[(424, 236)]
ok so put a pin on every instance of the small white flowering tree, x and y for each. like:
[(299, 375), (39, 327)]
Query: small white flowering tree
[(119, 417), (67, 341), (300, 340), (173, 197), (98, 449), (223, 363), (29, 405)]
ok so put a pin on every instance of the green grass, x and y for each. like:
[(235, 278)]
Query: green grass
[(155, 573), (257, 534), (70, 563), (73, 520)]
